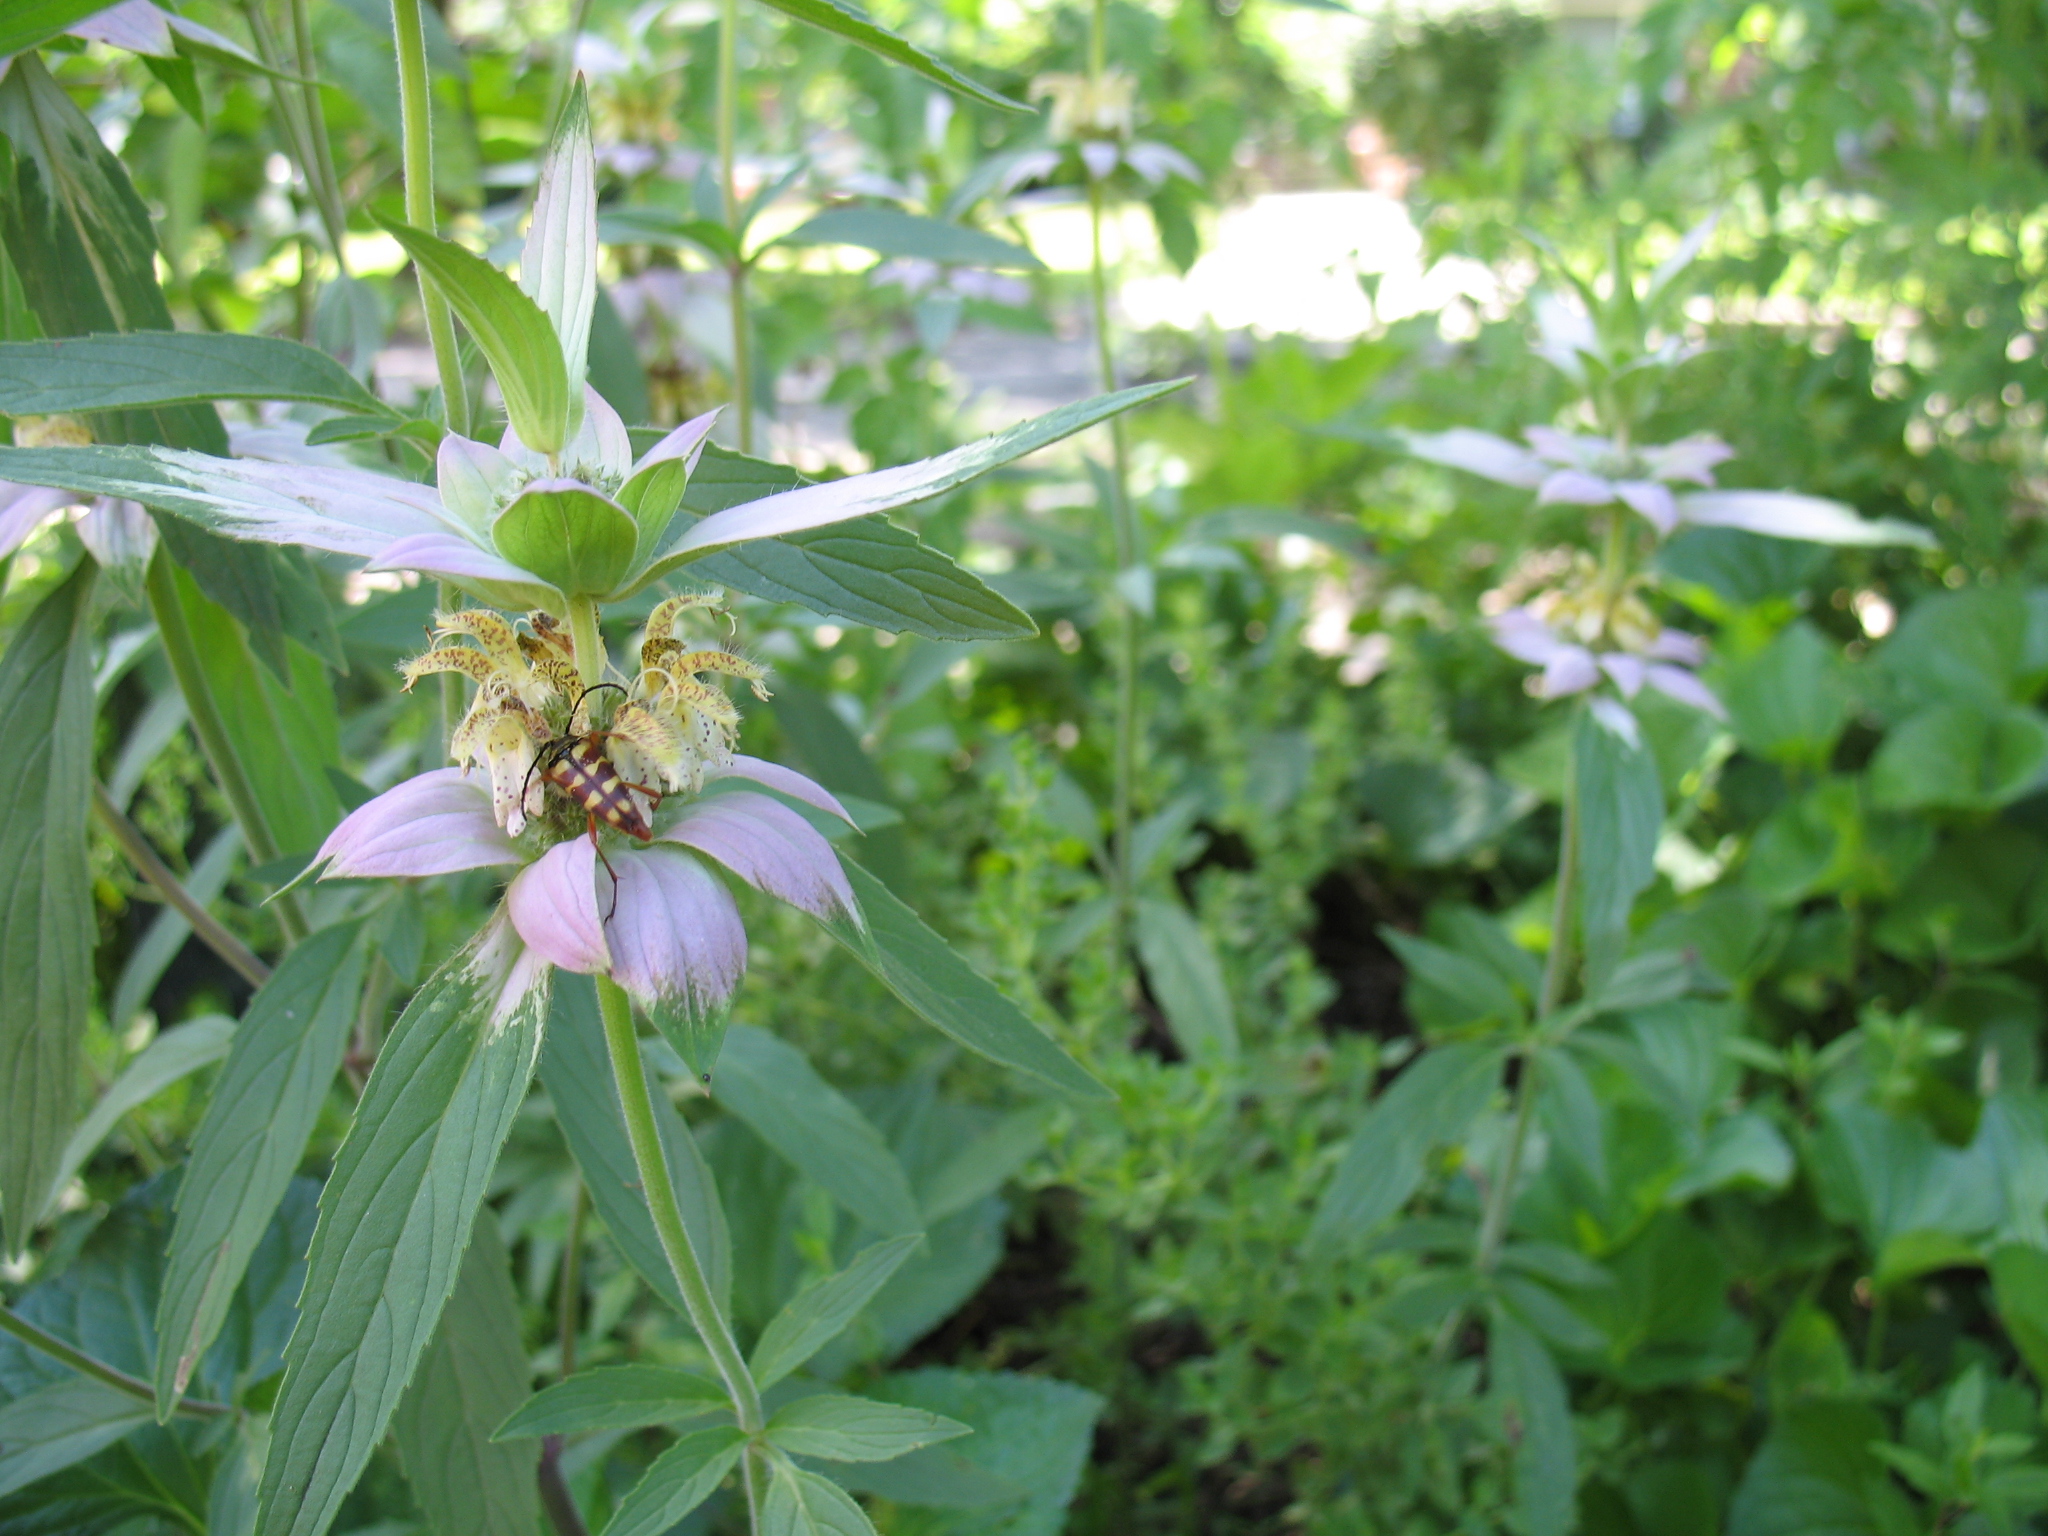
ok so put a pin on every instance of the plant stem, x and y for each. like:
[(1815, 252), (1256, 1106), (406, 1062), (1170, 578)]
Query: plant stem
[(728, 176), (1500, 1199), (320, 166), (630, 1074), (100, 1371), (1124, 529), (588, 640), (159, 874), (298, 127), (182, 652), (555, 1496), (416, 124)]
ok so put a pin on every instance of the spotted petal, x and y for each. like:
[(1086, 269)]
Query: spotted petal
[(676, 933), (553, 903), (434, 824), (770, 847)]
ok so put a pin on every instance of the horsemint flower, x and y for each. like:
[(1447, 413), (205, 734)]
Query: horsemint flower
[(1584, 629), (559, 515), (1095, 117), (609, 875), (1598, 471)]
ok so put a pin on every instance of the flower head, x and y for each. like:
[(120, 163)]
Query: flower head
[(1583, 469), (1578, 636), (641, 905)]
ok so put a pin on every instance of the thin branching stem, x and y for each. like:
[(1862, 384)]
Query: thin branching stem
[(209, 929), (416, 125), (319, 167), (182, 653), (49, 1344)]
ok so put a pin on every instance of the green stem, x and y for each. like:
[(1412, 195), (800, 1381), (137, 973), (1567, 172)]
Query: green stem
[(291, 116), (320, 176), (182, 652), (630, 1074), (728, 176), (1500, 1199), (205, 925), (570, 1296), (100, 1371), (588, 640), (416, 125), (1124, 529)]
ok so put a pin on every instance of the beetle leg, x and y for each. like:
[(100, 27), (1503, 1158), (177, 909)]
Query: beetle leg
[(613, 910)]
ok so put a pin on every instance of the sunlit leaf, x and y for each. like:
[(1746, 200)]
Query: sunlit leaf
[(818, 1314), (892, 232), (852, 23), (147, 369), (836, 1428), (558, 267)]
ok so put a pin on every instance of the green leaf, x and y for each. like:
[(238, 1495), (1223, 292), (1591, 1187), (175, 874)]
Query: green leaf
[(818, 1313), (249, 1142), (171, 1057), (1431, 1103), (852, 23), (577, 1074), (511, 330), (1791, 700), (168, 931), (948, 993), (1473, 990), (892, 232), (84, 246), (802, 1503), (46, 923), (1960, 755), (1814, 1475), (978, 1169), (768, 1083), (395, 1219), (579, 542), (633, 224), (558, 266), (1185, 977), (884, 490), (31, 23), (1031, 1432), (682, 1477), (615, 369), (146, 369), (1620, 815), (287, 734), (46, 1430), (472, 1374), (1546, 1448), (2019, 1287), (615, 1397), (836, 1428)]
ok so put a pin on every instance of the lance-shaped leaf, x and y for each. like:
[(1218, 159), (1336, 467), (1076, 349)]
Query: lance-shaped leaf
[(892, 232), (867, 570), (835, 501), (819, 1313), (948, 993), (249, 1143), (576, 540), (852, 23), (770, 1084), (46, 927), (836, 1428), (472, 1373), (1789, 515), (801, 1503), (558, 267), (28, 24), (49, 1429), (615, 1397), (682, 1477), (514, 334), (147, 369), (395, 1219)]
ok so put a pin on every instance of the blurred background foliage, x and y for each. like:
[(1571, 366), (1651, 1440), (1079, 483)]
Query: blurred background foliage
[(1782, 1238)]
